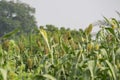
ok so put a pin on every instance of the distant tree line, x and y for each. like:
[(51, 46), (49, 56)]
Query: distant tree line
[(16, 15)]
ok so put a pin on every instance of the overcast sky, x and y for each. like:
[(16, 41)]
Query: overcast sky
[(73, 13)]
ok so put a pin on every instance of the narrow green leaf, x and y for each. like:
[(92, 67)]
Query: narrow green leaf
[(4, 73), (44, 34), (110, 30), (91, 66), (10, 33), (49, 77), (116, 22), (111, 69), (106, 20), (104, 53)]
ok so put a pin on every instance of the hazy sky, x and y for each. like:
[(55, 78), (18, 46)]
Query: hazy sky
[(73, 13)]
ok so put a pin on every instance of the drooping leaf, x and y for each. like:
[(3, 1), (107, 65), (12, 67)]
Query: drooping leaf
[(44, 34), (10, 33), (115, 22), (111, 69), (106, 20)]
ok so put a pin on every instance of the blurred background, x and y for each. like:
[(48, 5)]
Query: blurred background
[(73, 14)]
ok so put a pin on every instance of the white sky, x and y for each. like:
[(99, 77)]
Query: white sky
[(73, 13)]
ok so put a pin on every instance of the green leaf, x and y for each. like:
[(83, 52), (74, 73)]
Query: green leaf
[(116, 22), (106, 20), (4, 73), (111, 69), (44, 34), (49, 77), (10, 33), (111, 31), (104, 53), (91, 66), (118, 51)]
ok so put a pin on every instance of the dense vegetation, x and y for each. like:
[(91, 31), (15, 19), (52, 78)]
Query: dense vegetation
[(50, 53), (62, 54)]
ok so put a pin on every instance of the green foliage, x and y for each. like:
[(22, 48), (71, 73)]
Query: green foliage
[(62, 54)]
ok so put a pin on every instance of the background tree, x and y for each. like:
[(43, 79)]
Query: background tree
[(16, 14)]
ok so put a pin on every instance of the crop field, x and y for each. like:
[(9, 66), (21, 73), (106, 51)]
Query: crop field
[(62, 54)]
